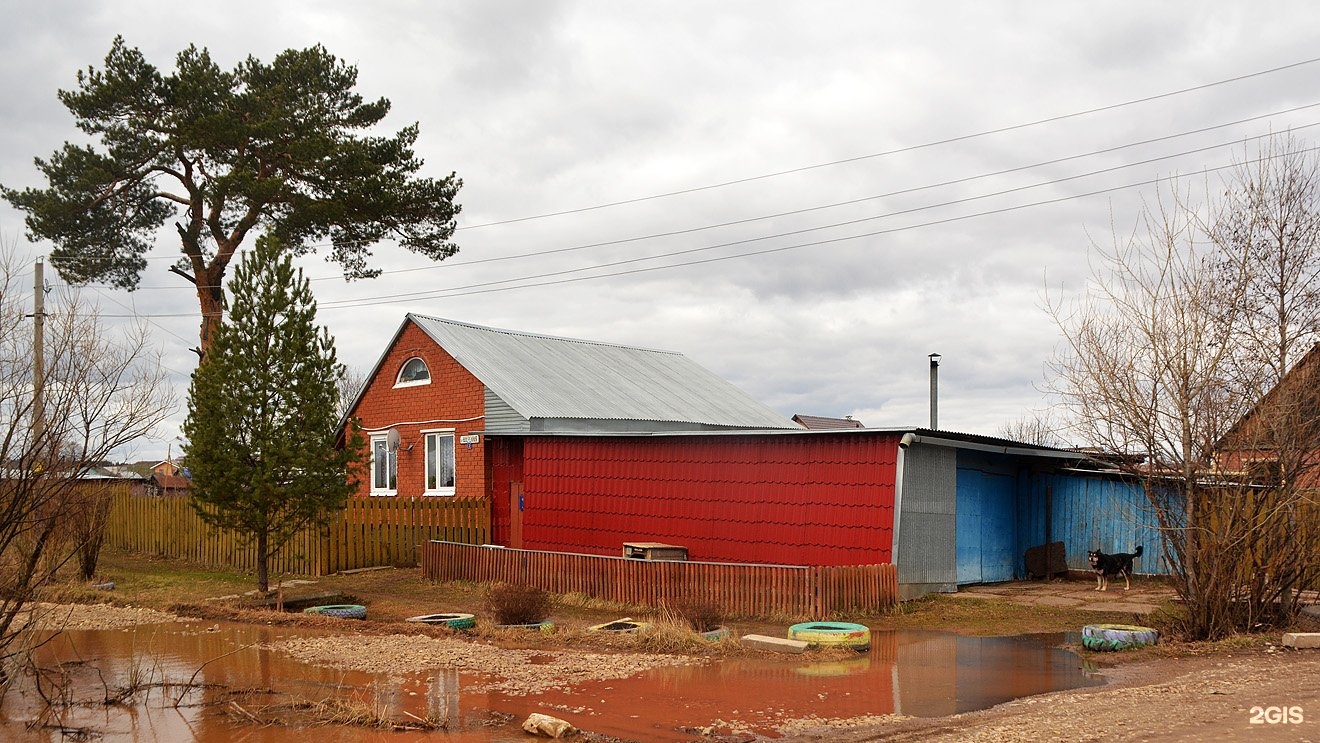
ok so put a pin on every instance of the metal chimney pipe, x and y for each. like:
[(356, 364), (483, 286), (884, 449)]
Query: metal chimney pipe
[(934, 392)]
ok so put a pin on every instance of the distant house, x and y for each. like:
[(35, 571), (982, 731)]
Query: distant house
[(159, 484), (1285, 421), (822, 423)]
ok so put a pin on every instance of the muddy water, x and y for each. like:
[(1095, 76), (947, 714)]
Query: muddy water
[(911, 673)]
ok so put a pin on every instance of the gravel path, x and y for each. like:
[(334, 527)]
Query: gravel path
[(1210, 698), (96, 616)]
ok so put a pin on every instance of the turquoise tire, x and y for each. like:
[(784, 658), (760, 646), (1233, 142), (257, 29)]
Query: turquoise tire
[(341, 611), (1112, 637)]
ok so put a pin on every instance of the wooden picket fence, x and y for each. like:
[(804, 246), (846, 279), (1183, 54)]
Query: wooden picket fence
[(369, 532), (811, 592)]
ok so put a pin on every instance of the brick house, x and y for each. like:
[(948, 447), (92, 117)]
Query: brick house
[(1283, 425), (442, 389)]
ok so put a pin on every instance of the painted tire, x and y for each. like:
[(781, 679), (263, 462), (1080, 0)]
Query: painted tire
[(546, 627), (620, 626), (452, 621), (342, 611), (832, 634), (719, 633), (1110, 637)]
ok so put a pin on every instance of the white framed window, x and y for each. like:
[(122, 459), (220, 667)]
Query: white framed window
[(440, 472), (413, 373), (384, 467)]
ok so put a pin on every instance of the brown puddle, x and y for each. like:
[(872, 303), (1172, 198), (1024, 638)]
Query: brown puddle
[(924, 674)]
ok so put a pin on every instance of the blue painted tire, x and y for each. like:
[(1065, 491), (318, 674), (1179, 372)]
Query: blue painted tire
[(832, 634), (1112, 637), (340, 611), (715, 635), (452, 621)]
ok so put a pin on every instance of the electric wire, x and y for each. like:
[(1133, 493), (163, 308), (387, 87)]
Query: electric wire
[(908, 148), (791, 233), (488, 288), (691, 230)]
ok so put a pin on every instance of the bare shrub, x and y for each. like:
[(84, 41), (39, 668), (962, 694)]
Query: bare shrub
[(517, 604), (702, 615)]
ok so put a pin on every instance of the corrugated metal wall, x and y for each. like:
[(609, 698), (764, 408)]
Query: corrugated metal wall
[(779, 499), (1091, 511), (500, 418), (926, 535)]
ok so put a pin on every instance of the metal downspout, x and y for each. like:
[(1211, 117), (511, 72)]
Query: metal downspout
[(899, 460)]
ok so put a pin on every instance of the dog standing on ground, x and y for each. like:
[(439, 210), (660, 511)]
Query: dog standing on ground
[(1109, 566)]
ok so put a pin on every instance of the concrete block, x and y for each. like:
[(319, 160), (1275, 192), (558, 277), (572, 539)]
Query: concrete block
[(1301, 640), (774, 644)]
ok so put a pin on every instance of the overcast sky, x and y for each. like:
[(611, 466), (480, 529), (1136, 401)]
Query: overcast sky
[(550, 107)]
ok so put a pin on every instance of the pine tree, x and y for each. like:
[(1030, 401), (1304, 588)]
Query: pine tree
[(262, 421), (287, 147)]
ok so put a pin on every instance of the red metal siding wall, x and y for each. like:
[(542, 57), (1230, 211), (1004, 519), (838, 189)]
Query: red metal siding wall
[(506, 459), (785, 499), (453, 395)]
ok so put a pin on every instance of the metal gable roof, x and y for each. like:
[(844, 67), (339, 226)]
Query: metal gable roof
[(546, 377)]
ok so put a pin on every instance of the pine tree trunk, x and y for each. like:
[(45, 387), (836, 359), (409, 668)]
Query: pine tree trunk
[(263, 574)]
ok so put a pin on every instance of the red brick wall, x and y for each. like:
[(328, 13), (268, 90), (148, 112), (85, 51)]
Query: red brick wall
[(454, 399)]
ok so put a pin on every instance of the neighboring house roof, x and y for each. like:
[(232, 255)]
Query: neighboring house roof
[(557, 384), (1299, 389), (822, 423), (112, 472)]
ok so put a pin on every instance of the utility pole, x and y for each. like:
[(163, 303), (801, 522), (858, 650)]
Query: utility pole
[(38, 352)]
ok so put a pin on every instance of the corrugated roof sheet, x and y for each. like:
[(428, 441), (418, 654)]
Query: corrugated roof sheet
[(546, 377), (825, 423)]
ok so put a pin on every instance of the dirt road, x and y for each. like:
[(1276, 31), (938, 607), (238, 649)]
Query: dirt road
[(1256, 695)]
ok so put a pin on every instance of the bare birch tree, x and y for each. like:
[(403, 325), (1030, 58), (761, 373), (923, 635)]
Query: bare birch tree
[(1270, 225), (102, 390), (1174, 359), (1143, 375)]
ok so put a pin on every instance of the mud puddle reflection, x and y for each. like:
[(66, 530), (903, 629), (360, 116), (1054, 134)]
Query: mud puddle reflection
[(924, 674)]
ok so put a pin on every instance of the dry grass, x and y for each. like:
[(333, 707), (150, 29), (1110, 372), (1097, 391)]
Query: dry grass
[(985, 617), (701, 615), (335, 710)]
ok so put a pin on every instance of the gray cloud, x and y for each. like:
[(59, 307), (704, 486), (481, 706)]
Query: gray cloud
[(551, 106)]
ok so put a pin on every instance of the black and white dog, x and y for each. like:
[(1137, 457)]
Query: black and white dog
[(1107, 566)]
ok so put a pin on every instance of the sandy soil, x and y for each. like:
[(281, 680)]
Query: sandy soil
[(516, 672), (1203, 698)]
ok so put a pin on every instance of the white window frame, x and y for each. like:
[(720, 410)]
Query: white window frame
[(392, 465), (398, 378), (438, 435)]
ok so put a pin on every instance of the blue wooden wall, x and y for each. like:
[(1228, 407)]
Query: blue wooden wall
[(1089, 511), (986, 546)]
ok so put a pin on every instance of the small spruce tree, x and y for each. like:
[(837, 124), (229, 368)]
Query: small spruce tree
[(262, 420)]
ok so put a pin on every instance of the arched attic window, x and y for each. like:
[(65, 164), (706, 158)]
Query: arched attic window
[(413, 373)]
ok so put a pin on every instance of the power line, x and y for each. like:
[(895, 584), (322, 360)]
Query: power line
[(909, 148), (805, 210), (490, 287), (927, 207), (717, 259)]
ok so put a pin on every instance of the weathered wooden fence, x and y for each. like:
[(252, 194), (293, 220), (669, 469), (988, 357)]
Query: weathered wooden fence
[(737, 589), (370, 532)]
